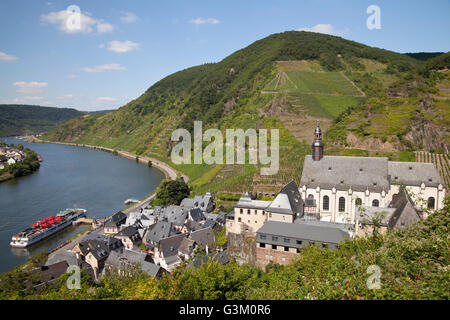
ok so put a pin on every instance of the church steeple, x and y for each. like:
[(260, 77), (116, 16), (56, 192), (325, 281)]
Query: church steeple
[(317, 145)]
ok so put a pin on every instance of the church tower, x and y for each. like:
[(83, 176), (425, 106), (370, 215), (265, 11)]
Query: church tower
[(317, 145)]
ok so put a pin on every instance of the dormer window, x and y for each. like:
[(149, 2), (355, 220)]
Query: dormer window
[(342, 181), (374, 183), (430, 180), (329, 168), (312, 180), (410, 167), (360, 169), (395, 178)]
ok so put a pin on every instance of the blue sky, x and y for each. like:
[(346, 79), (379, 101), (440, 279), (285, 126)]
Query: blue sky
[(123, 47)]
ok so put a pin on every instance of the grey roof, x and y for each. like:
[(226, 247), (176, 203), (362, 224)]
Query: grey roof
[(116, 219), (97, 248), (50, 272), (247, 202), (357, 173), (209, 223), (129, 258), (111, 242), (203, 237), (302, 231), (193, 225), (369, 213), (219, 257), (65, 255), (400, 202), (169, 246), (196, 214), (346, 227), (160, 230), (187, 203), (186, 246), (129, 232), (175, 214), (414, 173), (151, 269), (288, 201), (204, 203)]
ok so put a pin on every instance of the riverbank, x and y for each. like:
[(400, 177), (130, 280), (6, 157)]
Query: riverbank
[(168, 171)]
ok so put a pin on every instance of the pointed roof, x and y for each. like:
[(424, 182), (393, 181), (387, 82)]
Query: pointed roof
[(288, 201)]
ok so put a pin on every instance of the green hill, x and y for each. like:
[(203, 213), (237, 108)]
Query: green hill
[(27, 119), (287, 81)]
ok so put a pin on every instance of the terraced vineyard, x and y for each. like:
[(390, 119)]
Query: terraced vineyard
[(308, 86), (441, 161)]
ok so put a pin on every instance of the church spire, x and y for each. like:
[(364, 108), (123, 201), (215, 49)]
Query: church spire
[(317, 145)]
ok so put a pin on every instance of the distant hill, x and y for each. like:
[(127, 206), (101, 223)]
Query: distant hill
[(287, 81), (423, 56), (31, 119)]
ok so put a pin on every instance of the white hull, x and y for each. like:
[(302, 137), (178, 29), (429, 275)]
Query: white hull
[(25, 242)]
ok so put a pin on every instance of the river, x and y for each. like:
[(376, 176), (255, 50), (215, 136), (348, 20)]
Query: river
[(69, 177)]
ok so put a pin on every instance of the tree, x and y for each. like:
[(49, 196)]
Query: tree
[(171, 192)]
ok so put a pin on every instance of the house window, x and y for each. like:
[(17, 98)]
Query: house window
[(375, 203), (263, 213), (326, 203), (430, 203), (358, 201), (262, 245), (248, 211), (274, 247), (274, 238), (286, 240), (283, 259), (242, 211), (239, 219), (286, 248), (341, 204), (299, 242), (263, 237), (324, 245)]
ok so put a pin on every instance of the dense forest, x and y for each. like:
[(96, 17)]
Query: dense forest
[(27, 119)]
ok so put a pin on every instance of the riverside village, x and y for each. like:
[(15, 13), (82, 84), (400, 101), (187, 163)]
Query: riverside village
[(338, 198)]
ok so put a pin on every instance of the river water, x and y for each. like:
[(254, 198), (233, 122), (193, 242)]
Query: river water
[(69, 177)]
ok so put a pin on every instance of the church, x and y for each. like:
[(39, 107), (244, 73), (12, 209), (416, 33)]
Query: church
[(333, 187)]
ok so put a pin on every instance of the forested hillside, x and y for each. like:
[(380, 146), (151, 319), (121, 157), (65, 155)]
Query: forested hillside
[(377, 102), (26, 119)]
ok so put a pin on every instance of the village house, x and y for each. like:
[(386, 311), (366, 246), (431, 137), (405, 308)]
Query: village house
[(401, 213), (129, 236), (204, 238), (186, 248), (220, 257), (112, 225), (204, 203), (280, 242), (337, 185), (166, 254), (176, 215), (46, 274), (128, 261), (250, 215), (157, 232)]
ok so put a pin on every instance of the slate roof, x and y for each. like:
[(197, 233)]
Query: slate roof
[(169, 246), (248, 203), (301, 231), (204, 203), (203, 237), (359, 173), (111, 242), (414, 173), (399, 202), (196, 214), (193, 225), (371, 212), (175, 214), (116, 219), (186, 246), (288, 201), (160, 230), (65, 255), (50, 272), (209, 223), (128, 232), (128, 258), (98, 249), (219, 257)]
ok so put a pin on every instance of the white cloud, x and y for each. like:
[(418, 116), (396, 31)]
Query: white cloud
[(28, 99), (325, 28), (71, 76), (122, 46), (104, 67), (204, 21), (30, 87), (101, 45), (106, 99), (66, 22), (7, 57), (129, 17)]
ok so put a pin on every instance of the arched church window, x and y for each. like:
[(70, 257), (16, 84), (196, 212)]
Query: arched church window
[(358, 201), (375, 203), (341, 204), (431, 202), (326, 203)]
